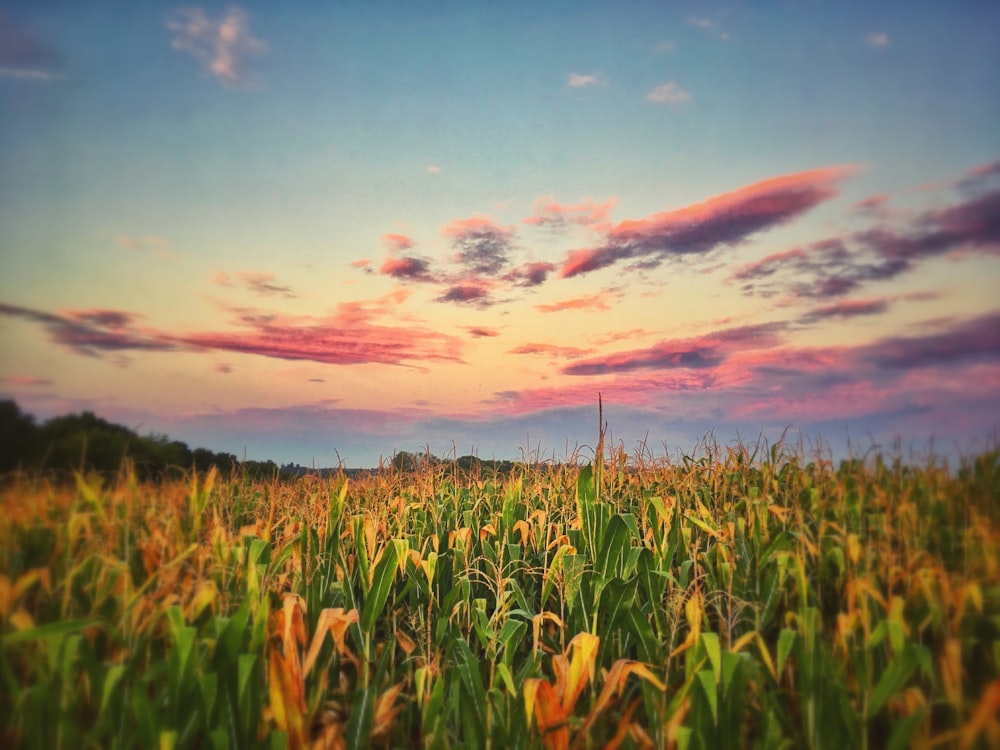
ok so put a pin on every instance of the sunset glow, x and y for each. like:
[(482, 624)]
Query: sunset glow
[(314, 234)]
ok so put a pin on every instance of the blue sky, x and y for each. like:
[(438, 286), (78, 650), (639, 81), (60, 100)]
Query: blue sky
[(296, 229)]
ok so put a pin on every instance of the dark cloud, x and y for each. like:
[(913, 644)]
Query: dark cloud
[(479, 332), (264, 283), (697, 353), (838, 266), (465, 293), (722, 221), (91, 332), (408, 267), (976, 340), (483, 246), (530, 274), (847, 309)]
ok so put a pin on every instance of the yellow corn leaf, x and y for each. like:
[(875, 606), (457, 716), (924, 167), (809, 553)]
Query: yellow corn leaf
[(766, 656), (522, 528), (581, 667), (6, 600), (405, 642), (853, 548), (529, 689), (551, 718), (386, 709), (778, 511), (370, 532), (614, 684), (204, 596), (676, 722), (487, 530), (335, 621), (538, 620), (743, 640), (624, 727), (21, 620), (984, 717), (330, 737), (460, 538), (287, 692), (951, 671)]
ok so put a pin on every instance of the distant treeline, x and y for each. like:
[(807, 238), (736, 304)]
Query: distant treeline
[(85, 442)]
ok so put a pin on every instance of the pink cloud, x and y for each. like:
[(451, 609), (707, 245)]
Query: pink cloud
[(25, 381), (724, 220), (530, 274), (694, 353), (590, 302), (480, 332), (407, 267), (397, 242), (361, 263), (548, 212), (353, 335), (551, 350), (221, 45)]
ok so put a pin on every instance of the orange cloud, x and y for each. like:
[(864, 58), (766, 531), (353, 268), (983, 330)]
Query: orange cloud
[(589, 302)]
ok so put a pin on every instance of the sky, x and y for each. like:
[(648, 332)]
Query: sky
[(327, 232)]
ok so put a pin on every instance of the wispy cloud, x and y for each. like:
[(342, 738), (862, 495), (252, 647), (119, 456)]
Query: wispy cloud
[(551, 350), (591, 302), (258, 282), (669, 93), (221, 45), (662, 48), (724, 220), (581, 80), (433, 169), (551, 213), (398, 242), (481, 332), (26, 381), (877, 39), (23, 55)]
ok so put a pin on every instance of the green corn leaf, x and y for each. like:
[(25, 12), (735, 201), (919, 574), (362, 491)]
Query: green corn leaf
[(786, 640), (111, 680), (903, 731), (710, 642), (707, 681), (382, 580), (893, 679), (357, 734), (49, 629), (611, 558)]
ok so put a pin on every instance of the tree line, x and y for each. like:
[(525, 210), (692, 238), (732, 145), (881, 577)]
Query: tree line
[(85, 442)]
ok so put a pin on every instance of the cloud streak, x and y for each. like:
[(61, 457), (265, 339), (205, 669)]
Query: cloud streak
[(725, 220), (351, 336), (838, 266)]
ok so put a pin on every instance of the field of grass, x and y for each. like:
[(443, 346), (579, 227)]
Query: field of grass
[(738, 599)]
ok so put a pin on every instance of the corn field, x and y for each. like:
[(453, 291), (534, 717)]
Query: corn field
[(728, 601)]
